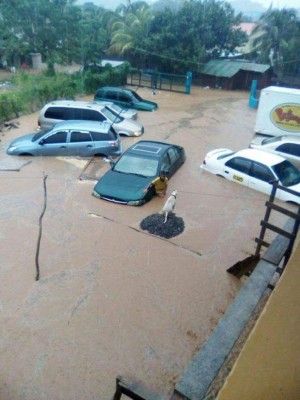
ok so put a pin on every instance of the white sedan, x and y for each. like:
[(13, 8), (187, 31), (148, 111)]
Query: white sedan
[(285, 146), (255, 169)]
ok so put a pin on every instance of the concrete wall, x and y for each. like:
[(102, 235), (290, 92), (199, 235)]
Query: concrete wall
[(269, 364)]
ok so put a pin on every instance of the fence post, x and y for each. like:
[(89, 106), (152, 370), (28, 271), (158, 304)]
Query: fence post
[(188, 82)]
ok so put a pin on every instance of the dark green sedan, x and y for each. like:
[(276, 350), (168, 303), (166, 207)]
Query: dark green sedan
[(128, 180)]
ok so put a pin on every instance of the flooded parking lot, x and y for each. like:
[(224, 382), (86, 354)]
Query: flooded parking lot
[(113, 299)]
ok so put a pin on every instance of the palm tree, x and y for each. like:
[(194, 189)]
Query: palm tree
[(130, 30), (272, 35)]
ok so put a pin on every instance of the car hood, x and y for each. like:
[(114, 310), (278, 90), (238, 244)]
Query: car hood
[(128, 124), (123, 187), (23, 140), (129, 113), (146, 105)]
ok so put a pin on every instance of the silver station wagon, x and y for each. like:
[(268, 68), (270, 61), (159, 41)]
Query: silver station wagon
[(69, 138)]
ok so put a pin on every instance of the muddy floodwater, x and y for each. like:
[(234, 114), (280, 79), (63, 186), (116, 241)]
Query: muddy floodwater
[(112, 299)]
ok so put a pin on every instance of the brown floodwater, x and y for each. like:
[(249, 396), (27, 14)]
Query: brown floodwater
[(113, 299)]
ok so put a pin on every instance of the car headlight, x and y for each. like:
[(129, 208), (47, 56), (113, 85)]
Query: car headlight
[(12, 148), (96, 194), (136, 202)]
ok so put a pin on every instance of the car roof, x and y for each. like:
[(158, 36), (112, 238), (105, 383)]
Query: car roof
[(261, 156), (115, 88), (88, 125), (93, 105), (148, 148)]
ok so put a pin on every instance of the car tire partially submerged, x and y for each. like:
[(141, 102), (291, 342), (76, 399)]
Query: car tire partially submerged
[(155, 225)]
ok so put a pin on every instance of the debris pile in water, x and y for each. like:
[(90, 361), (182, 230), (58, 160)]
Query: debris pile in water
[(155, 225)]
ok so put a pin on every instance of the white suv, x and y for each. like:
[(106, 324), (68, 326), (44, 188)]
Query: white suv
[(62, 110)]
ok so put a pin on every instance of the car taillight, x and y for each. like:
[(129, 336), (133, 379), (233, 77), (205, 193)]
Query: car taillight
[(113, 144)]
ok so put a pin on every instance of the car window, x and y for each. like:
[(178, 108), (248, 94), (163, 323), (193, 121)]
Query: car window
[(112, 95), (165, 163), (99, 136), (287, 173), (77, 136), (173, 155), (261, 172), (239, 164), (87, 115), (124, 97), (57, 137), (55, 113), (110, 115), (272, 140), (290, 148)]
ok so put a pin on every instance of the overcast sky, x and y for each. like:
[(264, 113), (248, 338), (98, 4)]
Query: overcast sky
[(266, 3), (280, 3)]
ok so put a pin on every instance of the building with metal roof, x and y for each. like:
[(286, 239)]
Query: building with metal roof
[(234, 74)]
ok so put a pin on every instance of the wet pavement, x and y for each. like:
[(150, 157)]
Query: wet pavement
[(113, 299)]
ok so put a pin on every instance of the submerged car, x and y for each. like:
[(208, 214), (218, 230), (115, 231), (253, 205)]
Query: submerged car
[(69, 138), (128, 180), (285, 146), (255, 169), (64, 110), (124, 98)]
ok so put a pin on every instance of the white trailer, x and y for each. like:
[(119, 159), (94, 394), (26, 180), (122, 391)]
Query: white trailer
[(278, 112)]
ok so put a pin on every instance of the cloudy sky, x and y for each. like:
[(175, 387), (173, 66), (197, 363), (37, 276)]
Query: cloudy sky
[(112, 4), (280, 3)]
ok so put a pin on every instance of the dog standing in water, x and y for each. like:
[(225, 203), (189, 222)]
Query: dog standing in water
[(169, 205)]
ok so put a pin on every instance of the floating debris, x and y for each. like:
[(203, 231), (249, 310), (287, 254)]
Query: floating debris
[(155, 225)]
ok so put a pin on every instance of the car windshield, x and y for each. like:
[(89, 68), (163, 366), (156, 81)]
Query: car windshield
[(137, 165), (111, 115), (287, 173), (40, 134), (136, 98), (272, 140)]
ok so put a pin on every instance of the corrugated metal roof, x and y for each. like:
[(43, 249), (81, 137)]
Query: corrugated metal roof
[(228, 68)]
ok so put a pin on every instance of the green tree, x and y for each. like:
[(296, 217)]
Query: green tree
[(276, 37), (185, 37), (49, 27)]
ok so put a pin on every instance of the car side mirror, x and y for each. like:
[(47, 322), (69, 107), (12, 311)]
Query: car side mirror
[(112, 163), (41, 142)]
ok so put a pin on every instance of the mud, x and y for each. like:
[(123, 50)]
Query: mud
[(112, 299)]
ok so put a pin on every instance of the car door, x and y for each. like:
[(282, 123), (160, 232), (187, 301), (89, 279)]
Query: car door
[(81, 144), (237, 169), (261, 178), (54, 144)]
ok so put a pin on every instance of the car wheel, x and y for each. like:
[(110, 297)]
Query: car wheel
[(25, 154), (220, 176)]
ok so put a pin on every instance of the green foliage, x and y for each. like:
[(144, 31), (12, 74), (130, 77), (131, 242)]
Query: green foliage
[(108, 76), (30, 92), (276, 37)]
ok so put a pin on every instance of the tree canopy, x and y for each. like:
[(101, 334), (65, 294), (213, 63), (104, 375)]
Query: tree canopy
[(176, 36)]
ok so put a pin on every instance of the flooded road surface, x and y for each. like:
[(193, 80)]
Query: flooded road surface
[(113, 299)]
